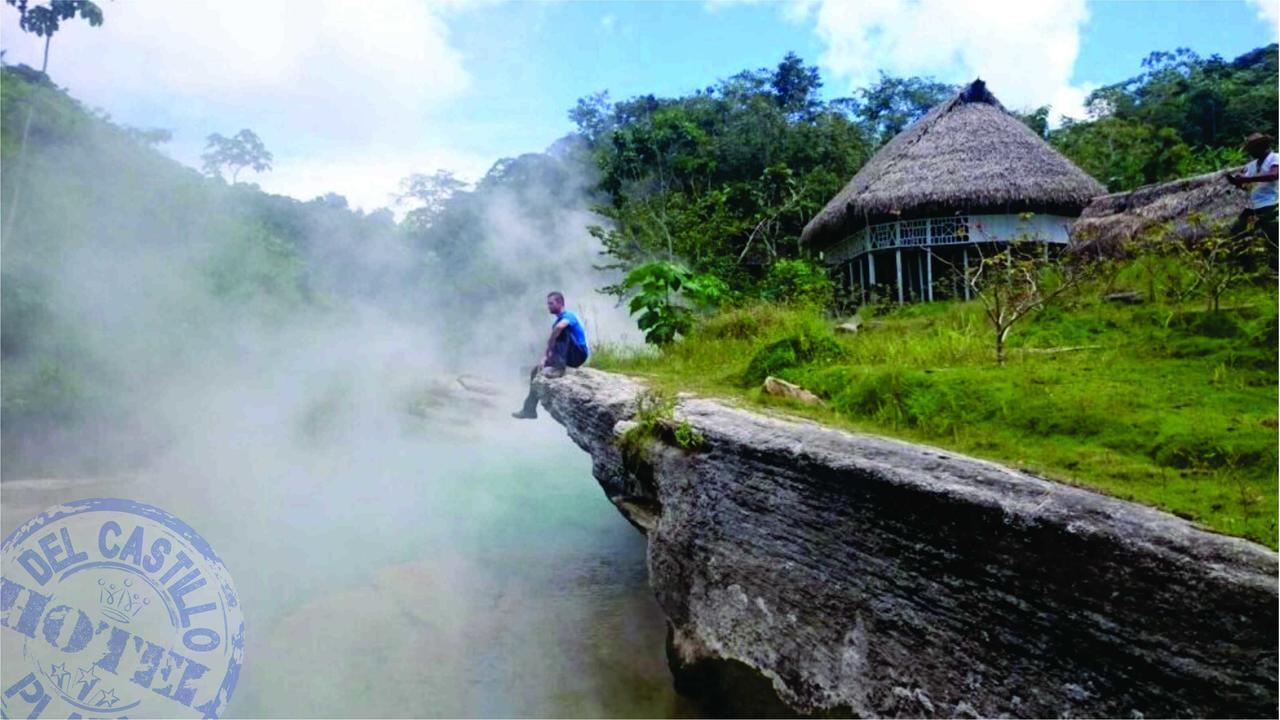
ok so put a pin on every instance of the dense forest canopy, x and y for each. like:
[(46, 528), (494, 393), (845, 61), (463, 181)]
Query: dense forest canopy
[(1182, 115)]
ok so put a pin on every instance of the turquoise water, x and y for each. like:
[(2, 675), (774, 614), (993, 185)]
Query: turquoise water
[(413, 569)]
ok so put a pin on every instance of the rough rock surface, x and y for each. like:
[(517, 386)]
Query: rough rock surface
[(813, 571)]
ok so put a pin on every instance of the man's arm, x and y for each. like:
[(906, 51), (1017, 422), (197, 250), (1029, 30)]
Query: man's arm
[(1271, 175), (551, 341), (1239, 179)]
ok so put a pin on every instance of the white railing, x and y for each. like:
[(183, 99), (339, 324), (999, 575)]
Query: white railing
[(951, 230), (902, 233)]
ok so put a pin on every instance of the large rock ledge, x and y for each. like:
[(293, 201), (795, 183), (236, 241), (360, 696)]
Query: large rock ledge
[(813, 571)]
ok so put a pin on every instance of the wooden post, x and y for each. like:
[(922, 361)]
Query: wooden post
[(871, 267), (920, 274), (862, 279), (928, 260), (966, 273), (897, 259)]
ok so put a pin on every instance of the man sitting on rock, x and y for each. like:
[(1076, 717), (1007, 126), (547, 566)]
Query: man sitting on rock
[(567, 346)]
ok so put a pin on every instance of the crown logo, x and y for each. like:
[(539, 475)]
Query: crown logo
[(119, 602)]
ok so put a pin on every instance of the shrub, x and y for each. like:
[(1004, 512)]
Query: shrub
[(655, 420), (799, 282), (897, 397), (1263, 332), (1194, 449), (1215, 325), (1045, 416), (666, 294), (813, 342), (745, 323)]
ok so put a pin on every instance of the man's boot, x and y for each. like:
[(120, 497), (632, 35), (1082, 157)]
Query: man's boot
[(530, 409)]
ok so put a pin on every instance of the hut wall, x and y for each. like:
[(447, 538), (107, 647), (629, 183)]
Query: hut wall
[(948, 230), (923, 259), (1036, 228)]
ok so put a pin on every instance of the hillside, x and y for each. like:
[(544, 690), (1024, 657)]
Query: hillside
[(124, 270)]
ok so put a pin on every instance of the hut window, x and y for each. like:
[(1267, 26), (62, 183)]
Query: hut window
[(840, 250), (904, 233), (950, 230), (860, 242), (882, 236), (914, 232)]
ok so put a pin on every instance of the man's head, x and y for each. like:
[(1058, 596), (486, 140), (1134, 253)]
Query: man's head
[(555, 302), (1258, 145)]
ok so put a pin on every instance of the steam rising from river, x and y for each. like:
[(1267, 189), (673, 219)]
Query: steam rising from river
[(451, 561)]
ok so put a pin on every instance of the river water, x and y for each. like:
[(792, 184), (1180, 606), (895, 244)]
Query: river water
[(415, 568)]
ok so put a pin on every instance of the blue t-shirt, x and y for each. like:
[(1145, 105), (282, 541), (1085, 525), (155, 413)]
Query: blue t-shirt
[(576, 333)]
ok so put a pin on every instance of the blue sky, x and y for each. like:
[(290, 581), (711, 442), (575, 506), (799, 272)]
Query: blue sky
[(673, 48), (352, 96)]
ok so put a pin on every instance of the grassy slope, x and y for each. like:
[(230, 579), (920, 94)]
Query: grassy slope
[(1180, 417)]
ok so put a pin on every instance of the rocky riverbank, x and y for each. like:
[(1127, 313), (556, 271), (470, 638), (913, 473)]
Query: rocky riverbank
[(808, 570)]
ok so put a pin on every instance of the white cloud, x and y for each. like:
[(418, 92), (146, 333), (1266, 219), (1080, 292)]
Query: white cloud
[(1024, 50), (325, 80), (323, 59), (1268, 11)]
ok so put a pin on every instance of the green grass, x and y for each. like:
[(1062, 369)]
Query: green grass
[(1172, 409)]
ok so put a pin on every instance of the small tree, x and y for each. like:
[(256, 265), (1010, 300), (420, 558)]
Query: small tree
[(798, 281), (1016, 281), (666, 296), (1216, 259), (44, 20), (429, 193), (243, 150)]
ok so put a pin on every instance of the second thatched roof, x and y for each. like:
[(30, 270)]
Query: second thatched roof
[(965, 155), (1110, 223)]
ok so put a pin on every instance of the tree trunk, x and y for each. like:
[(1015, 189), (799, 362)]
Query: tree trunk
[(44, 66), (1001, 334), (17, 186)]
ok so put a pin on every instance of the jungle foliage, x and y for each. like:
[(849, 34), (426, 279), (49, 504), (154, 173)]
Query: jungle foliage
[(724, 179)]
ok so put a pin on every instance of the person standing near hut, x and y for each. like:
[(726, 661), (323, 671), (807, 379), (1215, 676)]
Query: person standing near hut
[(1259, 177), (567, 347)]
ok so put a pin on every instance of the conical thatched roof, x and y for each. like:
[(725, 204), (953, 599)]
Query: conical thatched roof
[(966, 154)]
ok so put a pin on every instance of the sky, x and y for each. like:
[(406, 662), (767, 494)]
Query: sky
[(351, 97)]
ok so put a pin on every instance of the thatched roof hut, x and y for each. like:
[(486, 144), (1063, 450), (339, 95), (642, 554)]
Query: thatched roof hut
[(1109, 222), (967, 155)]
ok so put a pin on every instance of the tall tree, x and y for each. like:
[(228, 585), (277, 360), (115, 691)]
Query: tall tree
[(722, 179), (44, 20), (429, 193), (893, 103), (795, 87), (1182, 115), (243, 150)]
